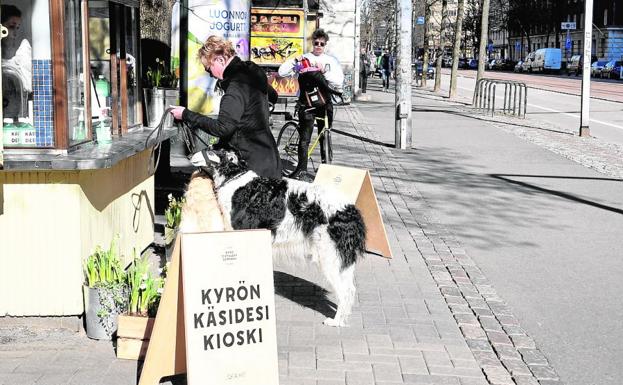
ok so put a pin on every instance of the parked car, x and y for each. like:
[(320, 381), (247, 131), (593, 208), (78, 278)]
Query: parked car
[(518, 67), (615, 71), (597, 67), (546, 59), (418, 69), (490, 64), (504, 64), (574, 66), (446, 61), (472, 64), (605, 72), (527, 64), (463, 63)]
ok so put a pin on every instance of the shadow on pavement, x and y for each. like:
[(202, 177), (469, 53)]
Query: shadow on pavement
[(574, 198), (304, 293)]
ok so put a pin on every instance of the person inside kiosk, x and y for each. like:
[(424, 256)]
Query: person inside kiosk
[(16, 64), (242, 123)]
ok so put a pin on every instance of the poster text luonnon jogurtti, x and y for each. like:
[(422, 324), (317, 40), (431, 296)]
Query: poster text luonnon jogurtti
[(212, 317), (230, 16)]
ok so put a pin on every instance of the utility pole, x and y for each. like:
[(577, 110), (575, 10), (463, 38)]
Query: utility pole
[(586, 68), (403, 74), (484, 40)]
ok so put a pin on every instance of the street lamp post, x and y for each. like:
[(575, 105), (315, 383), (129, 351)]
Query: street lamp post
[(586, 68), (403, 74)]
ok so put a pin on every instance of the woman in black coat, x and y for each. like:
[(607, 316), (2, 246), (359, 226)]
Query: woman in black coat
[(242, 122)]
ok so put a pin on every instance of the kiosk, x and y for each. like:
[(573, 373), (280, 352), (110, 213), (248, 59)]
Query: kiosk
[(78, 168)]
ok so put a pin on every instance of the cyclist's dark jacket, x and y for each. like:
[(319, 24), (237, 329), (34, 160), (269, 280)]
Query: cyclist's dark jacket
[(242, 122)]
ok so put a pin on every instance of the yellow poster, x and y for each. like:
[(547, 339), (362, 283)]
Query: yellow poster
[(277, 22), (275, 50)]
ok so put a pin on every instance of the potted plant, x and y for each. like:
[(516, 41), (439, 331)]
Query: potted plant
[(104, 292), (173, 216), (135, 326), (160, 90)]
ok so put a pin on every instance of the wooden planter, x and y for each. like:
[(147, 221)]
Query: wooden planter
[(133, 336)]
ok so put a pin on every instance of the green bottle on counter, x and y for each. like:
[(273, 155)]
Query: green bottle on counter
[(27, 134), (102, 87), (10, 133)]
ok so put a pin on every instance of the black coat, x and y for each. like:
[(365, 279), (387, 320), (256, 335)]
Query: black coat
[(242, 122)]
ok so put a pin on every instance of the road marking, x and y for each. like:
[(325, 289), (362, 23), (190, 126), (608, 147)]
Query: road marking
[(576, 116)]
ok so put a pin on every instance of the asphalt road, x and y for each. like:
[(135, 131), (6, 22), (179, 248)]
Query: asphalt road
[(545, 230), (556, 100)]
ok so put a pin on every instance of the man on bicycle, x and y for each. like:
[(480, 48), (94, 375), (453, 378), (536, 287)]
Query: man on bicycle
[(332, 76)]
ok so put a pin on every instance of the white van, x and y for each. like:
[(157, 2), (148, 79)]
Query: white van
[(546, 59)]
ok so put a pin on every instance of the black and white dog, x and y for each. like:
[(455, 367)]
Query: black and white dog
[(307, 221)]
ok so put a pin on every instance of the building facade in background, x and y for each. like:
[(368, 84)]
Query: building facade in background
[(547, 32)]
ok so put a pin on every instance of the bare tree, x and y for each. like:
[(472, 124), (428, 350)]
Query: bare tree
[(484, 39), (153, 14), (457, 47), (442, 43), (427, 12)]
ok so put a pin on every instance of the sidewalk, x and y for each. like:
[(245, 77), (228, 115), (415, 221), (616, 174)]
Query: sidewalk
[(427, 316)]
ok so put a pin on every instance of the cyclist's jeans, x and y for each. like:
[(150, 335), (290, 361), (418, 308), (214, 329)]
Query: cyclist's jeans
[(306, 126)]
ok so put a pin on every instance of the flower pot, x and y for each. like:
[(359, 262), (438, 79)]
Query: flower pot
[(157, 100), (133, 336), (102, 311)]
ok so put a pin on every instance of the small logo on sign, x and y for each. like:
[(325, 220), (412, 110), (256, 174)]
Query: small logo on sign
[(229, 256), (337, 179)]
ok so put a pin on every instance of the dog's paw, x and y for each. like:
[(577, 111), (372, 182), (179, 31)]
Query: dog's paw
[(333, 322)]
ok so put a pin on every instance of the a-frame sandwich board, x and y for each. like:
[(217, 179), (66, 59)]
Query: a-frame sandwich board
[(356, 185), (166, 354)]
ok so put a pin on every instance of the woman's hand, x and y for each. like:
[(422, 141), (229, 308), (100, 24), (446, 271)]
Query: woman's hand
[(177, 112)]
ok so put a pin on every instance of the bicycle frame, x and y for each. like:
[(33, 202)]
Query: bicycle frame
[(321, 134)]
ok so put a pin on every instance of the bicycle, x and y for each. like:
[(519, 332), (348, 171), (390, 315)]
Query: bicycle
[(288, 139)]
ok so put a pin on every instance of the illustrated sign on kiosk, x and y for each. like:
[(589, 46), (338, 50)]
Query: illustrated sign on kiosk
[(216, 319), (277, 35)]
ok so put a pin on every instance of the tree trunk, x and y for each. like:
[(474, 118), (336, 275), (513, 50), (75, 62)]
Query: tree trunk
[(425, 57), (156, 20), (457, 47), (484, 40), (442, 44)]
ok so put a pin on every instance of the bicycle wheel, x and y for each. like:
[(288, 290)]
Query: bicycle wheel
[(288, 144)]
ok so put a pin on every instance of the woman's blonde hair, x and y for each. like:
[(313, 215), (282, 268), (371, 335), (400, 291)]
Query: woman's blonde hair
[(216, 46)]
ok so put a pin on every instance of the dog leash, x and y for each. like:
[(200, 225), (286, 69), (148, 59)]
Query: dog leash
[(184, 131)]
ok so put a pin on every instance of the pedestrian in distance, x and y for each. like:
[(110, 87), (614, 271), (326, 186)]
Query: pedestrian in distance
[(386, 68), (242, 123), (364, 70), (331, 80)]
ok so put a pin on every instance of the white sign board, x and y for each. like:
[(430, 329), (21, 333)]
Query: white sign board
[(229, 308), (567, 25)]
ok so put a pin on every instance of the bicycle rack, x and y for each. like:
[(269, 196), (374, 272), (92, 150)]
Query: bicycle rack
[(515, 96)]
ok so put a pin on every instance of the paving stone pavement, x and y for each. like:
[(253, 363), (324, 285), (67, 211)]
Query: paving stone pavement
[(427, 316)]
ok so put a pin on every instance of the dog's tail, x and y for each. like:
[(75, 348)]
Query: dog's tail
[(347, 230)]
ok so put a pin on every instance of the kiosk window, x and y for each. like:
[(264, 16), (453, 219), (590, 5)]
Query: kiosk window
[(26, 72), (78, 122)]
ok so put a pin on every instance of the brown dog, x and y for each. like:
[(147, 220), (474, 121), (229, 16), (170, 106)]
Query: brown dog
[(201, 211)]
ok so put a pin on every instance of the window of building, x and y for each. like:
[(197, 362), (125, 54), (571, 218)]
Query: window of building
[(605, 17), (26, 74)]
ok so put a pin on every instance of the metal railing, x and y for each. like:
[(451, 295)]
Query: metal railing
[(515, 97)]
